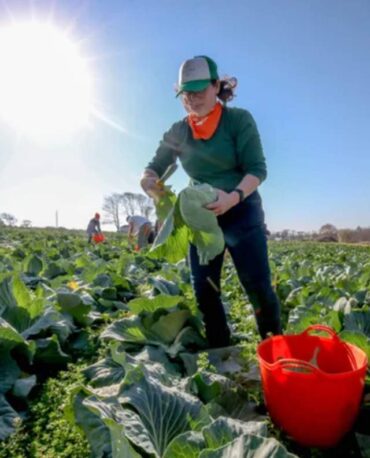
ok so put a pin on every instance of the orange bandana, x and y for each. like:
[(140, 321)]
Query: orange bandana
[(203, 127)]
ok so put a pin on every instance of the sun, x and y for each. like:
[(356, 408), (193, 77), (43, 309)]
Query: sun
[(45, 84)]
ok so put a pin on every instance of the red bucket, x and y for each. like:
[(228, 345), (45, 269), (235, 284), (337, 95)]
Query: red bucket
[(312, 385), (98, 238)]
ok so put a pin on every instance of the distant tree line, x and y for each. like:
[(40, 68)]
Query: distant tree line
[(7, 219), (361, 234), (326, 233), (117, 207)]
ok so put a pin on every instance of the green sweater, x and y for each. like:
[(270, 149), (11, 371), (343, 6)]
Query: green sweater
[(222, 161)]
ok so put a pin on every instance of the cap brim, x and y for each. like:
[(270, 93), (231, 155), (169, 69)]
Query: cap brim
[(193, 86)]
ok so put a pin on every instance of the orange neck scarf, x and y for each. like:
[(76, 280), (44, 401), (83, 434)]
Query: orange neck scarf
[(203, 127)]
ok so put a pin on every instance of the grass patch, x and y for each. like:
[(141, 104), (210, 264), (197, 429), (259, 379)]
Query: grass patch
[(46, 433)]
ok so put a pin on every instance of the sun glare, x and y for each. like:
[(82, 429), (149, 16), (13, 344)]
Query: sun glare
[(45, 85)]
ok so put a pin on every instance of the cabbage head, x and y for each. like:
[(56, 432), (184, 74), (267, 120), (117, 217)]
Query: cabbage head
[(192, 201), (190, 222)]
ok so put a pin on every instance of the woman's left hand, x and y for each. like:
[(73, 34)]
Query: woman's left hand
[(224, 202)]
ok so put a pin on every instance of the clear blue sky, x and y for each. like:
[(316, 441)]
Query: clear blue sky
[(303, 68)]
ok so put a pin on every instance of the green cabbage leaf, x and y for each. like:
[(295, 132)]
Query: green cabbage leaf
[(189, 221)]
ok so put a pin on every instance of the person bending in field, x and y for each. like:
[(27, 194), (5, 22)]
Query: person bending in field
[(93, 227), (139, 228)]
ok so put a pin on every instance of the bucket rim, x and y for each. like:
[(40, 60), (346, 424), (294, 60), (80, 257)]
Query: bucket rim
[(279, 363)]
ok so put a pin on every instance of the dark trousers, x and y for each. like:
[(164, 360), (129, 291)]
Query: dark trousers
[(143, 235), (247, 246)]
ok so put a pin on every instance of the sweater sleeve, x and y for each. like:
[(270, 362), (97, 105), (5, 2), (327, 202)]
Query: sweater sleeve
[(248, 146), (167, 150)]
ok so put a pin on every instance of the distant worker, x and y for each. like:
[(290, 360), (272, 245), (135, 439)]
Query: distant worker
[(141, 228), (93, 227)]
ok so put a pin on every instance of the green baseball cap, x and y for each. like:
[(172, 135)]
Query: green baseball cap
[(196, 74)]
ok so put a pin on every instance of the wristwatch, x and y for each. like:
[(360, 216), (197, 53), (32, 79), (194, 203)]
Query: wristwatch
[(241, 194)]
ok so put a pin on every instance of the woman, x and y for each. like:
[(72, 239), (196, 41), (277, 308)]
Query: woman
[(221, 146)]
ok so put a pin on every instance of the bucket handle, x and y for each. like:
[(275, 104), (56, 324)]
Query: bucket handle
[(297, 365), (334, 335), (321, 327)]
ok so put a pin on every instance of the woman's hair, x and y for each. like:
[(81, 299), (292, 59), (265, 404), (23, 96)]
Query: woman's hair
[(227, 88)]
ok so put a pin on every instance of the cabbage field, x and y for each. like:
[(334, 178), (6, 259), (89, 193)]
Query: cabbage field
[(102, 350)]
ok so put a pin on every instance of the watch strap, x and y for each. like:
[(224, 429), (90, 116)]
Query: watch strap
[(241, 194)]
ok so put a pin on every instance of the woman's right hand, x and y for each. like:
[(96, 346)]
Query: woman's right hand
[(152, 186)]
